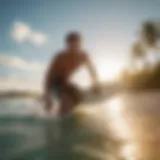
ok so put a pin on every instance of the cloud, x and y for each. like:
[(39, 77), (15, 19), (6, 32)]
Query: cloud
[(19, 63), (31, 80), (22, 32)]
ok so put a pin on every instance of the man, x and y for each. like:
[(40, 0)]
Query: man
[(61, 69)]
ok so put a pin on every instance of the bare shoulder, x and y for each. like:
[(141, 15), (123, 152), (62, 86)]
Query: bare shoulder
[(58, 56)]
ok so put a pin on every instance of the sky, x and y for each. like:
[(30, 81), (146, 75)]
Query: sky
[(32, 32)]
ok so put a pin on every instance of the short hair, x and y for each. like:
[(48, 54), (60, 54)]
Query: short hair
[(73, 36)]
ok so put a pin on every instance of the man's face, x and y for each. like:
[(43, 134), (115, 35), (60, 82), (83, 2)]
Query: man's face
[(74, 45)]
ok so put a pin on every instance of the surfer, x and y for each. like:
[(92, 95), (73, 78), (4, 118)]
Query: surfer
[(62, 67)]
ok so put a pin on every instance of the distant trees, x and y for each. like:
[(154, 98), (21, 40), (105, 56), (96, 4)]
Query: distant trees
[(149, 75)]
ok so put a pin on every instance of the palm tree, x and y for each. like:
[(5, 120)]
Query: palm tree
[(150, 33), (149, 37), (138, 52)]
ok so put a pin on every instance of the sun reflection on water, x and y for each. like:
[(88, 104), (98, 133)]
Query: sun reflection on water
[(115, 110), (117, 121)]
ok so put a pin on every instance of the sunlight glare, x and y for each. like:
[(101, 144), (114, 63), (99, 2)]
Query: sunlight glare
[(109, 70)]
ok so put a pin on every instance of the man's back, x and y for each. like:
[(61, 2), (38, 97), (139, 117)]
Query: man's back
[(66, 63)]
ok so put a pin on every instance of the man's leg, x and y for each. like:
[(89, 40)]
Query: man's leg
[(66, 104), (70, 97)]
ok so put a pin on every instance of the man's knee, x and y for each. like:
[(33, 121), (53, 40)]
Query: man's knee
[(75, 94)]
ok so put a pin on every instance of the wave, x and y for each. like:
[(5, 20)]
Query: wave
[(73, 137)]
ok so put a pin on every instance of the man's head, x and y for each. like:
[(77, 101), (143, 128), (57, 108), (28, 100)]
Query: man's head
[(73, 41)]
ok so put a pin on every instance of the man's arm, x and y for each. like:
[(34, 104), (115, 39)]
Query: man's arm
[(50, 75), (92, 70)]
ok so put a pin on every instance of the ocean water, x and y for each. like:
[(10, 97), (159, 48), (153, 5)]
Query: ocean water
[(125, 127), (22, 134)]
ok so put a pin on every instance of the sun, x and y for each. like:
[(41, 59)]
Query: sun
[(110, 70)]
